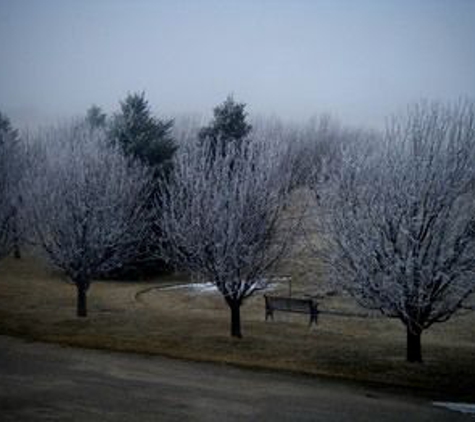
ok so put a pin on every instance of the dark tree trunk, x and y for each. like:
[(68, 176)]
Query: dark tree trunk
[(16, 238), (16, 250), (235, 306), (414, 350), (81, 300)]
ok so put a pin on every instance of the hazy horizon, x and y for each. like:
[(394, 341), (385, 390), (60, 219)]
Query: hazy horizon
[(359, 61)]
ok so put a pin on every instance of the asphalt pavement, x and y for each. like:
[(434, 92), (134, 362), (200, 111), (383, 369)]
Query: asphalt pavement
[(47, 382)]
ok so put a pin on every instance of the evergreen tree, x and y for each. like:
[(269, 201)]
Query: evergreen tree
[(140, 134), (6, 130), (229, 124), (95, 117), (10, 173), (143, 137)]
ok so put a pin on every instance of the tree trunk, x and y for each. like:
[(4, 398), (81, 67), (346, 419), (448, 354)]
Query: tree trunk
[(16, 239), (414, 351), (81, 300), (235, 306), (16, 250)]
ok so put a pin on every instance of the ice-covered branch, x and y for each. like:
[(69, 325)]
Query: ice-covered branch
[(84, 200), (220, 216), (398, 221)]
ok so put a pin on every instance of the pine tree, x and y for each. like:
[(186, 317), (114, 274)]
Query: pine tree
[(6, 130), (140, 134), (143, 137), (228, 125), (10, 173), (95, 117)]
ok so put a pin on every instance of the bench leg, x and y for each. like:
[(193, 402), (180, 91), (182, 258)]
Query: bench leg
[(269, 313), (313, 318)]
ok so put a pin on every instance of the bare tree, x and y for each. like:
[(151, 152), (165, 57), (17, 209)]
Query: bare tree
[(397, 224), (315, 146), (84, 200), (220, 218)]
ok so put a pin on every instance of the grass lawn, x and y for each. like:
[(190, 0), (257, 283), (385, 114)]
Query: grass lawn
[(39, 304)]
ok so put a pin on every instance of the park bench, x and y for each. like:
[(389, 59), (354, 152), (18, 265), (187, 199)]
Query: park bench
[(287, 304)]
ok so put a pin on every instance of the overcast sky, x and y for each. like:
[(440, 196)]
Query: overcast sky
[(359, 60)]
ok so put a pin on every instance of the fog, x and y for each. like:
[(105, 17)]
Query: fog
[(359, 61)]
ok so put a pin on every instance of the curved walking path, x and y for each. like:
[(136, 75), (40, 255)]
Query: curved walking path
[(48, 382)]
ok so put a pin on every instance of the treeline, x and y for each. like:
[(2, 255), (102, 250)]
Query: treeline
[(131, 194)]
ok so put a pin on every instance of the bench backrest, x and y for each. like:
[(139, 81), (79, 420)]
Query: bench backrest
[(289, 304)]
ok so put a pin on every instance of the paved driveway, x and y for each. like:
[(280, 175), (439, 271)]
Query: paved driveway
[(49, 382)]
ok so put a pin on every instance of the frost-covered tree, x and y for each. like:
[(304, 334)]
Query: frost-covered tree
[(313, 147), (229, 125), (84, 200), (398, 229), (221, 221)]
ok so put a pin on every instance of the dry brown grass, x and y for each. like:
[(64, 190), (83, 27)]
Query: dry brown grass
[(39, 304)]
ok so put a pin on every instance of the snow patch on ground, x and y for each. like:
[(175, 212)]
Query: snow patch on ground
[(201, 287), (204, 288), (468, 408), (195, 287)]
